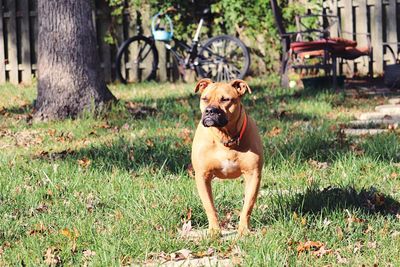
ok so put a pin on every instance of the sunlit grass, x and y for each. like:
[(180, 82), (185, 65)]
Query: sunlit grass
[(113, 190)]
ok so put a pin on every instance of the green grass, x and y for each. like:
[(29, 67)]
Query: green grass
[(119, 185)]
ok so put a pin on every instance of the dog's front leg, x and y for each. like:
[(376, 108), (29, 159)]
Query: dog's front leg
[(252, 185), (203, 184)]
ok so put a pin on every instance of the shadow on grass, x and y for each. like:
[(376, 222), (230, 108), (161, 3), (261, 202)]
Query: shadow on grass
[(328, 201), (370, 200), (168, 156)]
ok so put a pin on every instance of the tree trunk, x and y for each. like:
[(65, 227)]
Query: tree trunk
[(69, 77)]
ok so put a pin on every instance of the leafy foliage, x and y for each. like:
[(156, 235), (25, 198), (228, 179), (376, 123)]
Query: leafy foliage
[(252, 21)]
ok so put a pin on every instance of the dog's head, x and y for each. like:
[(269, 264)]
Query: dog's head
[(220, 102)]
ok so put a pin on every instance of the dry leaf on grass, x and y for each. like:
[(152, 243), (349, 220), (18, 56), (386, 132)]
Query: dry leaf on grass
[(5, 246), (340, 259), (318, 165), (186, 223), (89, 253), (309, 246), (84, 162), (186, 135), (51, 257), (72, 236), (274, 132)]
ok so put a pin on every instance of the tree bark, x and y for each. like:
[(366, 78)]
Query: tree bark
[(69, 77)]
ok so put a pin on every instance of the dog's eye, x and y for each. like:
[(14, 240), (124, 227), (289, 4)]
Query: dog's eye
[(205, 99), (225, 99)]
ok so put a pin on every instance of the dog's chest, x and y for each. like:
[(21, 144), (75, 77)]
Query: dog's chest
[(227, 165)]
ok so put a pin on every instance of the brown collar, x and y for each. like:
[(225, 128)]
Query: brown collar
[(236, 140)]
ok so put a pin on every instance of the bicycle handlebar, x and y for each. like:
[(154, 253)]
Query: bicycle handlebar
[(171, 9), (168, 10)]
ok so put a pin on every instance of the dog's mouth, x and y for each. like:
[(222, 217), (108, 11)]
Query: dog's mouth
[(214, 120)]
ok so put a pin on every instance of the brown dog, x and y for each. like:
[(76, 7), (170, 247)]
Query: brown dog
[(226, 145)]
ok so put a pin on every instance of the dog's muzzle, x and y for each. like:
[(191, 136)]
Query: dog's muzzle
[(214, 117)]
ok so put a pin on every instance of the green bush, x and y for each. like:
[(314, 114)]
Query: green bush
[(250, 20)]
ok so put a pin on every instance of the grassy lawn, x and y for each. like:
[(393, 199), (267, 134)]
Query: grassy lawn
[(116, 190)]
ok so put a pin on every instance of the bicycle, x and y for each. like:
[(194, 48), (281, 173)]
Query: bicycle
[(219, 58)]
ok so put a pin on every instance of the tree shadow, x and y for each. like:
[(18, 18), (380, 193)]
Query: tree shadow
[(17, 110), (168, 155), (326, 201), (368, 200)]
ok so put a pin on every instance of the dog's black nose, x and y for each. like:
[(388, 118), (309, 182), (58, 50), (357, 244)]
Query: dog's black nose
[(211, 110)]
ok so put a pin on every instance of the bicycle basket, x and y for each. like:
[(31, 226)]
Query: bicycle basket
[(160, 34)]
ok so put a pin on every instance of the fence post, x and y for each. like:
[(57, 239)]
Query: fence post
[(25, 43), (12, 43), (2, 48), (348, 30), (391, 31), (362, 41), (376, 36)]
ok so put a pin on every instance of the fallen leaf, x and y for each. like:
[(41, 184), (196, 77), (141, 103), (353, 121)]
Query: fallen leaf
[(357, 247), (369, 229), (118, 215), (84, 162), (186, 135), (326, 222), (38, 229), (66, 232), (51, 257), (340, 259), (395, 234), (125, 126), (88, 253), (274, 132), (183, 253), (210, 251), (186, 228), (318, 165), (264, 231), (3, 247), (309, 246), (371, 244), (321, 252), (52, 132), (393, 126), (190, 170), (149, 143)]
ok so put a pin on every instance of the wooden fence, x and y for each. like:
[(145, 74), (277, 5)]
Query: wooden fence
[(380, 19), (18, 35), (18, 40)]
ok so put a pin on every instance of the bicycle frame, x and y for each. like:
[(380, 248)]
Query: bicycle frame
[(187, 62)]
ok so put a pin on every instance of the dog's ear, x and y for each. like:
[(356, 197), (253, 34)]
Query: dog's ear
[(202, 84), (241, 86)]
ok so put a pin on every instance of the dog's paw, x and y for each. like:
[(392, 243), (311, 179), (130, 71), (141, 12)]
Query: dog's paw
[(243, 230), (214, 232)]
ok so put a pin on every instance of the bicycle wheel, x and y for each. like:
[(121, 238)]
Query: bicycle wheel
[(137, 60), (223, 58)]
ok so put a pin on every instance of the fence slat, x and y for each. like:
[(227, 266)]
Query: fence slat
[(362, 63), (348, 32), (25, 43), (391, 31), (12, 43), (2, 48), (18, 34), (376, 36)]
